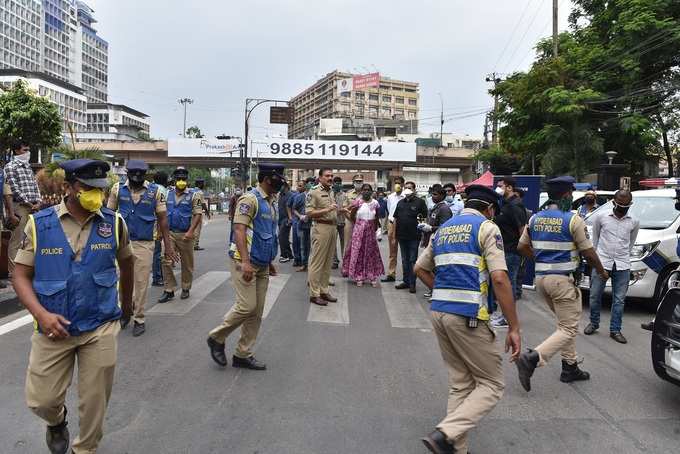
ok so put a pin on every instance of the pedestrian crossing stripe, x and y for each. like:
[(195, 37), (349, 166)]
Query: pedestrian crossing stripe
[(201, 288), (276, 286), (334, 313), (404, 310)]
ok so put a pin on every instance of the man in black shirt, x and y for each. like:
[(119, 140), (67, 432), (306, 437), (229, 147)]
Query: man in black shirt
[(511, 220), (409, 212)]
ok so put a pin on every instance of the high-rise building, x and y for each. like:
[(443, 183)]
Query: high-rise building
[(94, 57), (384, 110)]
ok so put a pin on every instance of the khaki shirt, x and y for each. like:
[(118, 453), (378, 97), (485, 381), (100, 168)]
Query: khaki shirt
[(77, 235), (350, 197), (246, 206), (161, 206), (577, 228), (340, 198), (320, 198), (490, 241)]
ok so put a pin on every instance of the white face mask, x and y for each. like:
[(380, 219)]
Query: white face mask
[(499, 190), (23, 157)]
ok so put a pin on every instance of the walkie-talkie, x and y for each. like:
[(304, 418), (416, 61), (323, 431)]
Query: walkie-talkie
[(472, 322)]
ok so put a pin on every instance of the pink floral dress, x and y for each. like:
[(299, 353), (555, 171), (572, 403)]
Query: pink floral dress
[(362, 261)]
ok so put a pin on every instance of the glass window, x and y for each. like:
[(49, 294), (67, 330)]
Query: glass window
[(656, 213), (412, 102), (373, 97), (387, 98), (399, 100)]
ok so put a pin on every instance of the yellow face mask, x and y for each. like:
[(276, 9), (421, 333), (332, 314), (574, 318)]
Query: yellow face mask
[(181, 185), (397, 187), (91, 200)]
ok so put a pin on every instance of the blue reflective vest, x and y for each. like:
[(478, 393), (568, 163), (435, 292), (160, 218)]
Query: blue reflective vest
[(461, 278), (180, 214), (554, 248), (85, 291), (262, 234), (2, 190), (140, 217)]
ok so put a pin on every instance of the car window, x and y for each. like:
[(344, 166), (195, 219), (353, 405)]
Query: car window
[(656, 213)]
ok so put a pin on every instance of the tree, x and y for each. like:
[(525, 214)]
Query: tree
[(26, 116), (499, 162), (194, 132)]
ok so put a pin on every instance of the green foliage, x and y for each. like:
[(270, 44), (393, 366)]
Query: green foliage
[(24, 115), (500, 162), (68, 153), (194, 132)]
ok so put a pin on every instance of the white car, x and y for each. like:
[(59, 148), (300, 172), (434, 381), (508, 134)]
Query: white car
[(578, 196), (655, 253)]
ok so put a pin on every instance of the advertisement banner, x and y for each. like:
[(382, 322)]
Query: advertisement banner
[(345, 85), (366, 81), (276, 149), (201, 148)]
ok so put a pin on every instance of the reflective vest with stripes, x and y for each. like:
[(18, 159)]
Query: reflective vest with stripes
[(261, 235), (140, 217), (180, 214), (461, 278), (554, 248), (84, 292)]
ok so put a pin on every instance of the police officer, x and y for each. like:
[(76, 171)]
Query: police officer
[(141, 205), (253, 247), (184, 216), (349, 198), (198, 189), (554, 238), (323, 211), (65, 276), (464, 257)]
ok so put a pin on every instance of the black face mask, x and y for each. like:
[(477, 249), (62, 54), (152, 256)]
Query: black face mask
[(677, 206), (590, 201), (277, 183), (366, 196), (136, 179)]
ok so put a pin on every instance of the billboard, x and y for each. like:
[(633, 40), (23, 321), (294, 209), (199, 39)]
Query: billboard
[(345, 85), (202, 148), (277, 149), (359, 82)]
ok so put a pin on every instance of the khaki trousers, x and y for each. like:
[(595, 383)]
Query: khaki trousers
[(324, 237), (394, 249), (475, 369), (197, 233), (185, 248), (143, 254), (50, 370), (17, 236), (247, 311), (349, 228), (564, 299)]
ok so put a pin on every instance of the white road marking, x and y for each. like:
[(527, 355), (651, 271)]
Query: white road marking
[(276, 285), (15, 324), (335, 313), (404, 309), (201, 288)]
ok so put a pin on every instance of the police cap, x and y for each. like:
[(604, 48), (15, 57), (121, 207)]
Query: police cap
[(483, 193), (88, 171), (200, 180), (180, 172), (271, 169), (561, 184), (137, 165)]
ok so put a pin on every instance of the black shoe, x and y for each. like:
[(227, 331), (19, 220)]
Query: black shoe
[(590, 329), (167, 296), (184, 295), (618, 337), (217, 352), (138, 329), (124, 322), (284, 260), (3, 284), (437, 443), (158, 284), (402, 286), (335, 266), (526, 364), (57, 437), (388, 279), (571, 372), (412, 289), (248, 363), (198, 248), (649, 326), (297, 264)]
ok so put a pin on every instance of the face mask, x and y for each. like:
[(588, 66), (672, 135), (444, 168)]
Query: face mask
[(181, 185), (590, 201), (565, 204), (277, 184), (137, 179), (91, 200), (397, 188), (621, 210), (337, 187), (366, 196), (449, 198), (309, 186), (500, 191), (23, 157), (357, 185), (409, 193), (238, 193)]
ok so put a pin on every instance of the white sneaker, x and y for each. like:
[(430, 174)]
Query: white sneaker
[(499, 323)]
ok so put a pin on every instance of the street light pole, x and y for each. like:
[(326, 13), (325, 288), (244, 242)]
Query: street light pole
[(184, 102)]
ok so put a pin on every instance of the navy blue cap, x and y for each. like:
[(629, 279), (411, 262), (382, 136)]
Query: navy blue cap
[(88, 171), (200, 180), (562, 184), (137, 165), (271, 168), (180, 172), (483, 193)]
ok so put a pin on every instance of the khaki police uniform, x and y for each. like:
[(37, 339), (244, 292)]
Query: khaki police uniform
[(350, 197), (563, 298), (141, 250), (51, 363), (324, 237), (197, 232), (472, 356), (185, 248), (250, 296), (340, 198)]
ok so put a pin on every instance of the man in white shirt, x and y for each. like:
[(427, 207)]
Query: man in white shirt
[(614, 235), (392, 201)]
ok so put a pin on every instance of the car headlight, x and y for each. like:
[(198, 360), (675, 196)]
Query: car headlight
[(642, 251)]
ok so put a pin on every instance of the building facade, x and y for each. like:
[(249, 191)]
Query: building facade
[(114, 122), (369, 113)]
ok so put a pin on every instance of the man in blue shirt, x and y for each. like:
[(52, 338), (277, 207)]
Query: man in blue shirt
[(284, 224), (304, 224), (294, 221)]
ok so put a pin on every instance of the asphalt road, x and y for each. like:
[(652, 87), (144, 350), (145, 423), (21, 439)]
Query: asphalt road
[(361, 376)]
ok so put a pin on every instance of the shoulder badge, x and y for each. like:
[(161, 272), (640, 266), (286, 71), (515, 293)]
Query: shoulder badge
[(308, 197), (105, 229), (243, 209), (499, 242)]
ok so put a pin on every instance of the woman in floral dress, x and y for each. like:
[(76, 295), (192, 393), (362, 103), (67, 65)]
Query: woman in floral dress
[(362, 261)]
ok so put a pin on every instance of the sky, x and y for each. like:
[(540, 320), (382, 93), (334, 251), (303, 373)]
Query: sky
[(219, 53)]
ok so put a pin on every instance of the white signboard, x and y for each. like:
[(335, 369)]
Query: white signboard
[(203, 148), (277, 149), (345, 85)]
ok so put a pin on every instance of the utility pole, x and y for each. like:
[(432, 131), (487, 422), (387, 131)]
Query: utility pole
[(485, 143), (184, 102), (441, 126), (555, 19), (493, 77)]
